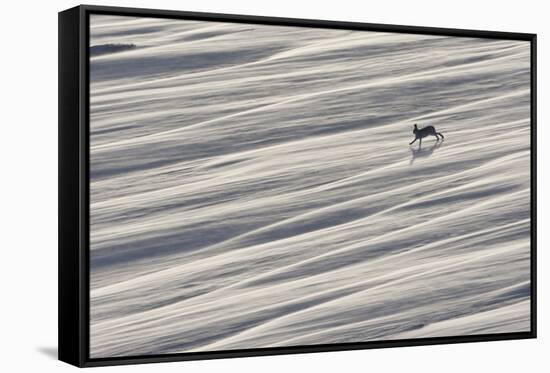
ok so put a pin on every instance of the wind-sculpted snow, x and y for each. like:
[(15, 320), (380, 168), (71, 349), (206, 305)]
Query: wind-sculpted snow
[(252, 186)]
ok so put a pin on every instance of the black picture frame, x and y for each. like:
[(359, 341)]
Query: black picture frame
[(74, 184)]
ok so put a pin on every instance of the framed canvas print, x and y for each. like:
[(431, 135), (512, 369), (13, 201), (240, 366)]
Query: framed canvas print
[(238, 185)]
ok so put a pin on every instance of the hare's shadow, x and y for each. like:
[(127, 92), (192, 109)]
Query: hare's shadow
[(424, 152)]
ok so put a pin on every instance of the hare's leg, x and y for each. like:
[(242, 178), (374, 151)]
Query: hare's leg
[(440, 134), (412, 142)]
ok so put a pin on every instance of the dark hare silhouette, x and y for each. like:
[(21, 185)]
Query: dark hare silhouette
[(420, 133)]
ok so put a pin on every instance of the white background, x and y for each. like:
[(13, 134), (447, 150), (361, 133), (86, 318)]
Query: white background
[(28, 195)]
